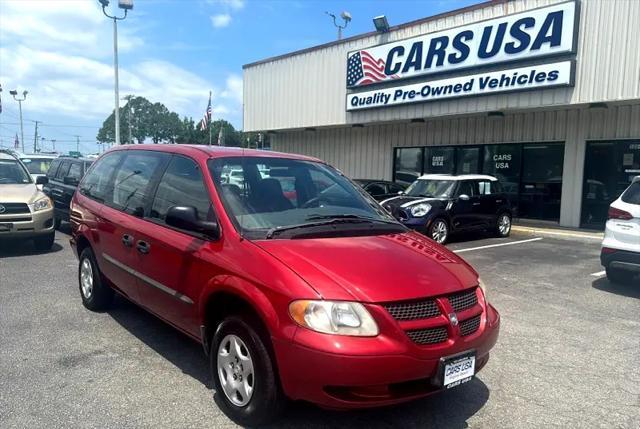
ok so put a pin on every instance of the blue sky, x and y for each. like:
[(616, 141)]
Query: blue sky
[(171, 51)]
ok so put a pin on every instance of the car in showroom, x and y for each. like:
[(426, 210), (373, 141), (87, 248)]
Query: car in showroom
[(380, 189), (26, 213), (440, 205), (620, 254), (63, 176), (272, 288)]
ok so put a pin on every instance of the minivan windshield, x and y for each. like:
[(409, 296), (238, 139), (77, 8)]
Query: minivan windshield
[(288, 198), (13, 173), (431, 188)]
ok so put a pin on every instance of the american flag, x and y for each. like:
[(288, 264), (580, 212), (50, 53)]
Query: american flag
[(16, 143), (204, 123), (363, 69)]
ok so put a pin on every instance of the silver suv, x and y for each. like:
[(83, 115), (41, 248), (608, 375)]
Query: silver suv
[(25, 211)]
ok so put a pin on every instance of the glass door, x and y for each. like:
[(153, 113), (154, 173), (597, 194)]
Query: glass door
[(467, 160), (541, 181)]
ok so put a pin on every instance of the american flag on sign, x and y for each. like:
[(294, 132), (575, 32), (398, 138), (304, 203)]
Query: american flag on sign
[(363, 69)]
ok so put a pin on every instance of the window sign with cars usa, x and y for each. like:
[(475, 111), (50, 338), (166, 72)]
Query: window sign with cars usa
[(540, 33)]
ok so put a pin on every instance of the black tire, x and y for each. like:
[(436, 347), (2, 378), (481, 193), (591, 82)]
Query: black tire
[(101, 295), (499, 231), (56, 222), (44, 242), (438, 227), (619, 276), (267, 401)]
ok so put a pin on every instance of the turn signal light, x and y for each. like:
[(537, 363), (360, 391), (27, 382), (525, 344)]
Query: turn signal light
[(615, 213)]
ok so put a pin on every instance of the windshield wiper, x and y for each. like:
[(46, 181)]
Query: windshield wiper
[(332, 220), (348, 217)]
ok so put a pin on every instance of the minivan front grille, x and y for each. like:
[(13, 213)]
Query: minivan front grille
[(14, 208), (428, 336), (462, 301), (413, 310), (469, 326)]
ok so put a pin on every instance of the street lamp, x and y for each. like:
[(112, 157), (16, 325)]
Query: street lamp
[(126, 5), (20, 100), (346, 17)]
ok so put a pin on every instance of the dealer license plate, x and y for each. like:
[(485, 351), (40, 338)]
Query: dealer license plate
[(458, 369), (4, 227)]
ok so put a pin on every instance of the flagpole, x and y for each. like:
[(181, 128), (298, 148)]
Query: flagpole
[(209, 119)]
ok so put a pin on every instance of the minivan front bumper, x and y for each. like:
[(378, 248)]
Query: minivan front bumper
[(394, 374)]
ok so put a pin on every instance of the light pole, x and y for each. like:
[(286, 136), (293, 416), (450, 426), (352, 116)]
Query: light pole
[(20, 100), (126, 5), (346, 17)]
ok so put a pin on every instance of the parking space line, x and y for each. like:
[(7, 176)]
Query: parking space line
[(599, 274), (498, 245)]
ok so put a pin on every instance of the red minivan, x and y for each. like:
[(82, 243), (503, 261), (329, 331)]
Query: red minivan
[(313, 294)]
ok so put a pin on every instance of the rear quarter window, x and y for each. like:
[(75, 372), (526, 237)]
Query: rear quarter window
[(632, 194)]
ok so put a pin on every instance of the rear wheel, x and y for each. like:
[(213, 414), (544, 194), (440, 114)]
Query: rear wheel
[(503, 225), (45, 242), (439, 231), (619, 276), (247, 386), (96, 295)]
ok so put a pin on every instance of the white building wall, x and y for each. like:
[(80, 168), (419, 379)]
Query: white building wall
[(308, 89), (367, 152)]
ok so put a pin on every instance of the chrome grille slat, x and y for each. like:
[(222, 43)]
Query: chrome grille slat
[(413, 310), (462, 301), (469, 326), (428, 336)]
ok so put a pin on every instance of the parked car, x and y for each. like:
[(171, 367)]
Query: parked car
[(620, 254), (380, 189), (63, 175), (329, 300), (441, 205), (37, 164), (25, 212)]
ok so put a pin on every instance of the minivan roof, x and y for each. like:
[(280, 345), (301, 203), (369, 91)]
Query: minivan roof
[(213, 151)]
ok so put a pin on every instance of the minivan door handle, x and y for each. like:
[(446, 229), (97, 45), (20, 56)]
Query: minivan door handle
[(143, 247), (127, 240)]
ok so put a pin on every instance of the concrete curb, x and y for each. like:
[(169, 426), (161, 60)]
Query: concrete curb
[(557, 232)]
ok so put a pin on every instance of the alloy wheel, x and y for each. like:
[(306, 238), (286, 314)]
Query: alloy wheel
[(86, 278), (235, 370), (504, 224), (439, 231)]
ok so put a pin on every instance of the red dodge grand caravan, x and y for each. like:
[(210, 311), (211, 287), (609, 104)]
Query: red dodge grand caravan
[(298, 284)]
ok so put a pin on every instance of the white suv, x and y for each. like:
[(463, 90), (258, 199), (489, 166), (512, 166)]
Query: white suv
[(620, 253)]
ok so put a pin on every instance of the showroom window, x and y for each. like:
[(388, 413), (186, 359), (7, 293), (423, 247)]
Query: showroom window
[(530, 173), (609, 168)]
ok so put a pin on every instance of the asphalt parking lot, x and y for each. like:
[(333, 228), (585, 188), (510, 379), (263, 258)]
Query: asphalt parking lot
[(568, 353)]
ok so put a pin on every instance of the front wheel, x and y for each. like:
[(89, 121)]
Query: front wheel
[(503, 225), (246, 383), (439, 231), (96, 295)]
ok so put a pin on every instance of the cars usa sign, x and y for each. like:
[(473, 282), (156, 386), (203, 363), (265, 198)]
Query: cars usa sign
[(544, 32)]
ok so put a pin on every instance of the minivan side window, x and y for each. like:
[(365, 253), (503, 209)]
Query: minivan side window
[(97, 182), (131, 182), (181, 185)]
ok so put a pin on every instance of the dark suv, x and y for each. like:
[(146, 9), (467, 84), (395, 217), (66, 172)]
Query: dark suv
[(438, 205), (64, 175)]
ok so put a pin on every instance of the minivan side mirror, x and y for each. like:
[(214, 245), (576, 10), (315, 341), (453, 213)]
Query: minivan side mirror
[(464, 197), (68, 180), (42, 180), (186, 217)]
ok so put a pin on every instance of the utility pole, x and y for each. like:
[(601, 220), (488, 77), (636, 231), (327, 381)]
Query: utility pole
[(77, 143), (53, 143), (14, 93), (35, 138)]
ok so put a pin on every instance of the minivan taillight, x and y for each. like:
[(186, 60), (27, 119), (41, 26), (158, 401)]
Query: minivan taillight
[(615, 213)]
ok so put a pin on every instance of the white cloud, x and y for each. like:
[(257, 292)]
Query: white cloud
[(221, 20), (233, 89), (232, 4)]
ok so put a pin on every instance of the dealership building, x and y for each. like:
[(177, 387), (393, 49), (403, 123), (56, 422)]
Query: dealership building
[(543, 94)]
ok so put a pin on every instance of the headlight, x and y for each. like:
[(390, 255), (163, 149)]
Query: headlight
[(484, 288), (42, 204), (334, 317), (420, 210)]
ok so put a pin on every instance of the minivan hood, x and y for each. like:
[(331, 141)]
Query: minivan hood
[(379, 268), (21, 193)]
